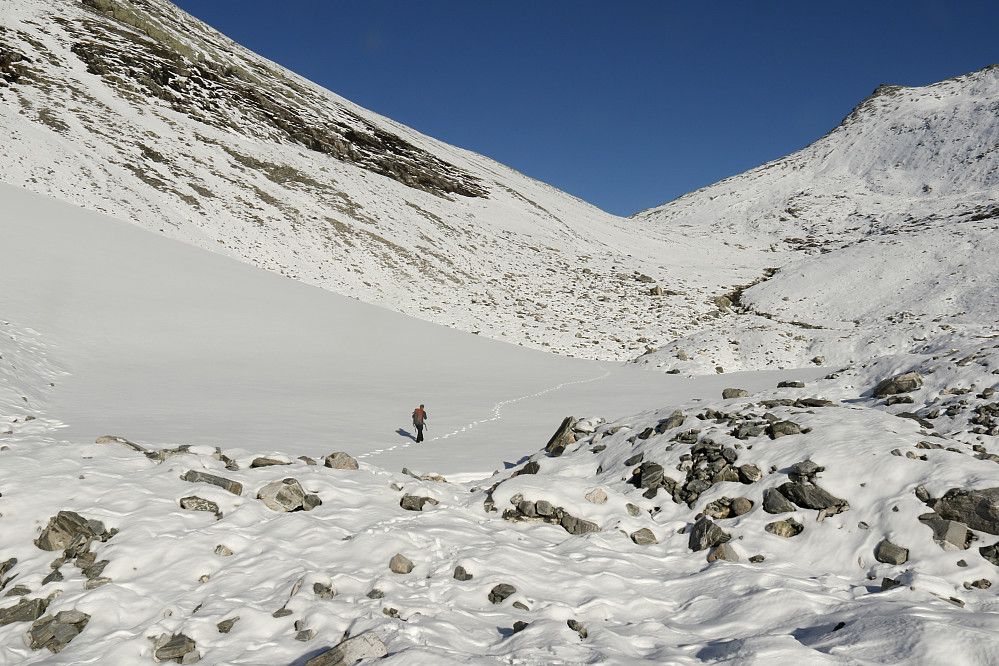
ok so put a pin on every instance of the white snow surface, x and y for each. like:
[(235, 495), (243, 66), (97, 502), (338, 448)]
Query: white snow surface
[(136, 215), (109, 329)]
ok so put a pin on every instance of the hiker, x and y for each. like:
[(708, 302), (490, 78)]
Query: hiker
[(419, 421)]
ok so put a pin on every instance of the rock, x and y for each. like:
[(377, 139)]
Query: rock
[(365, 646), (746, 430), (749, 473), (775, 502), (706, 534), (195, 503), (178, 648), (819, 360), (415, 503), (461, 574), (225, 626), (562, 438), (401, 564), (267, 462), (437, 478), (782, 428), (375, 594), (577, 627), (340, 460), (810, 496), (904, 383), (222, 550), (25, 610), (577, 526), (888, 583), (809, 403), (785, 528), (675, 420), (889, 553), (56, 632), (729, 393), (284, 495), (323, 591), (197, 476), (644, 537), (724, 552), (990, 553), (544, 508), (805, 471), (978, 509), (633, 510), (650, 475), (741, 506), (790, 384), (67, 527), (501, 592), (950, 534), (305, 635), (597, 496)]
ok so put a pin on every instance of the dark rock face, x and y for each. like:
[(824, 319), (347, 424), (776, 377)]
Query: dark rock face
[(809, 496), (978, 509), (461, 574)]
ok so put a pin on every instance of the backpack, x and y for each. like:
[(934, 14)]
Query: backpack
[(417, 417)]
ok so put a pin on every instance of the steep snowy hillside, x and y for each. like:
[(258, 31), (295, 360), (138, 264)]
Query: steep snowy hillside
[(138, 110), (884, 231)]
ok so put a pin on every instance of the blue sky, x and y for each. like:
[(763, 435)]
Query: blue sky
[(624, 104)]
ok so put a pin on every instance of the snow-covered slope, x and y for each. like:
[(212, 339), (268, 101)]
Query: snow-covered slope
[(883, 231), (138, 110)]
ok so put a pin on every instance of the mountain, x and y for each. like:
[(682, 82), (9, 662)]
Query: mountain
[(140, 111), (883, 232)]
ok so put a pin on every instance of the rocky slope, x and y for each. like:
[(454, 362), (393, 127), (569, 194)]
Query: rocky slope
[(141, 111)]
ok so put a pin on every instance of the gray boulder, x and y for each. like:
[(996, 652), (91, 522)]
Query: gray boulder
[(948, 534), (197, 476), (810, 496), (177, 648), (501, 592), (705, 534), (978, 509), (67, 527), (365, 646), (562, 438), (785, 528), (782, 428), (775, 502), (401, 564), (25, 610), (56, 632), (724, 552), (889, 553), (340, 460), (461, 574), (904, 383), (577, 526), (267, 462), (644, 537), (284, 495), (730, 393), (195, 503), (415, 503)]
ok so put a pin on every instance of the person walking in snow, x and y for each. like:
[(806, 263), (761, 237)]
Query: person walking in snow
[(419, 422)]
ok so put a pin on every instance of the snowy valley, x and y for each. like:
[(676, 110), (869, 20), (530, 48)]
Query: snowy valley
[(758, 423)]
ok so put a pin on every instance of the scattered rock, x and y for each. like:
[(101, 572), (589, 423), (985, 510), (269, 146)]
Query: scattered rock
[(287, 495), (597, 496), (741, 506), (729, 393), (577, 526), (25, 610), (562, 438), (178, 648), (644, 537), (225, 626), (267, 462), (790, 384), (365, 646), (222, 551), (782, 428), (724, 552), (69, 527), (978, 509), (810, 496), (461, 574), (401, 564), (889, 553), (195, 503), (197, 476), (785, 528), (340, 460), (56, 632), (775, 502), (501, 592), (749, 473), (323, 591), (706, 534), (577, 627), (904, 383), (415, 503), (948, 534)]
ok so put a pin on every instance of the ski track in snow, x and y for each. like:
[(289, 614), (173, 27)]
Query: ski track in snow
[(497, 415)]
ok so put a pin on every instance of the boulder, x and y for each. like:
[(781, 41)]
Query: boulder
[(889, 553), (25, 610), (782, 428), (461, 574), (724, 552), (785, 528), (810, 496), (775, 502), (597, 496), (741, 505), (55, 632), (644, 537), (948, 534), (225, 626), (401, 564), (284, 495), (340, 460), (904, 383), (197, 476), (562, 438), (749, 473), (267, 462), (195, 503), (577, 526), (67, 527), (501, 592), (729, 393), (178, 648), (978, 509), (706, 534), (350, 651), (790, 384), (415, 503)]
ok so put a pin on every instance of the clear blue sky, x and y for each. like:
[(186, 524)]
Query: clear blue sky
[(624, 104)]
